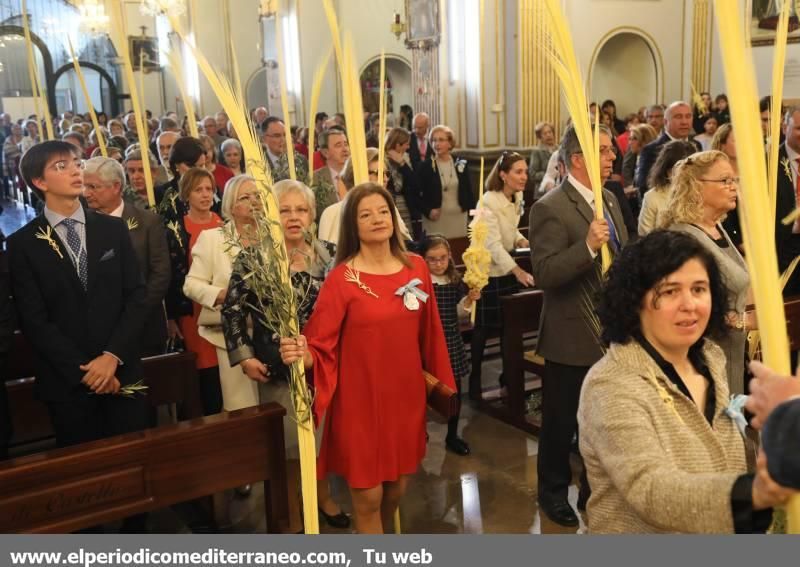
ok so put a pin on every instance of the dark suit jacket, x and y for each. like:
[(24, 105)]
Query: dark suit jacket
[(780, 440), (413, 152), (66, 325), (431, 186), (150, 244), (565, 270), (787, 244), (6, 332), (647, 158)]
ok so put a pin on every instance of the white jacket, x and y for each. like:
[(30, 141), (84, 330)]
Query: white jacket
[(502, 222)]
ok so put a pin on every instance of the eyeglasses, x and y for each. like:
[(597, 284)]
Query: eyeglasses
[(275, 136), (726, 182), (286, 211), (442, 260), (63, 165)]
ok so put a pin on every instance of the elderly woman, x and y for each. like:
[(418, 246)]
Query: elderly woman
[(402, 180), (11, 153), (207, 283), (447, 195), (197, 195), (115, 128), (540, 155), (233, 155), (661, 454), (704, 189), (655, 200), (256, 353)]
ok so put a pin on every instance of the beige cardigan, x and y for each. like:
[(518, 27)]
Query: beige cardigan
[(654, 463)]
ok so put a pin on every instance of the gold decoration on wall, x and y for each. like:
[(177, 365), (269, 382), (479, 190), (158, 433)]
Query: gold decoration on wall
[(538, 84), (701, 45)]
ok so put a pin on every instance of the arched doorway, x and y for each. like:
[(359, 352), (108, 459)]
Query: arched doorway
[(627, 68), (101, 87), (398, 79), (15, 83)]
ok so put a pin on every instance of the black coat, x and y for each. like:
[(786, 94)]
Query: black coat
[(787, 244), (66, 325), (431, 185), (647, 159), (413, 152), (6, 332)]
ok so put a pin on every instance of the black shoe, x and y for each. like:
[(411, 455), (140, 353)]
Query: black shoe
[(583, 498), (457, 445), (340, 520), (560, 512), (244, 490)]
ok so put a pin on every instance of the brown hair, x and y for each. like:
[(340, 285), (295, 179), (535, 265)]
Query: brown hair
[(504, 163), (644, 133), (190, 180), (434, 241), (396, 137), (349, 242)]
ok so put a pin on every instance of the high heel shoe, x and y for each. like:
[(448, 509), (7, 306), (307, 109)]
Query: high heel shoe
[(340, 520)]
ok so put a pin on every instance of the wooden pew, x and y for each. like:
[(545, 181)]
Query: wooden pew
[(521, 316), (74, 488), (170, 379)]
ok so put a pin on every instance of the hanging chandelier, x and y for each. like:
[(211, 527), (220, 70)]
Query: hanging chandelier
[(92, 17), (159, 7)]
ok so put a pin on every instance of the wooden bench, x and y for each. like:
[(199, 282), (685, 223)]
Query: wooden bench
[(170, 379), (74, 488), (521, 315)]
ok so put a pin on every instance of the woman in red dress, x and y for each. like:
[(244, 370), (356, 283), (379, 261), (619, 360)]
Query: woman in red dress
[(374, 329)]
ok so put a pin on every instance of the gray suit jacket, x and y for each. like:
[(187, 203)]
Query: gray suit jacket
[(150, 245), (565, 270)]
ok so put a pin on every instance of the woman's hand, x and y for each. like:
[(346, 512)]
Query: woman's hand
[(522, 243), (173, 330), (296, 348), (255, 370), (766, 492), (221, 297), (472, 296), (523, 277), (435, 214)]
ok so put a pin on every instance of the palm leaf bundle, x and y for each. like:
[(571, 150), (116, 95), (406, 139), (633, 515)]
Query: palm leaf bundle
[(316, 89), (101, 142), (188, 103), (269, 273), (757, 209), (119, 38), (39, 96), (560, 50)]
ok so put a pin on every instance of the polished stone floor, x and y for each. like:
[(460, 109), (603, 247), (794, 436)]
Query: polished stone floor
[(493, 490)]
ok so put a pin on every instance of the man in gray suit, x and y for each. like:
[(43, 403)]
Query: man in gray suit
[(565, 255), (103, 181)]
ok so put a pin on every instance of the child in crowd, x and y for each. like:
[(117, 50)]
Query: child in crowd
[(454, 301)]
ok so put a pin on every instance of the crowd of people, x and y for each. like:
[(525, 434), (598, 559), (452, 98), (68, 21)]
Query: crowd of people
[(639, 365)]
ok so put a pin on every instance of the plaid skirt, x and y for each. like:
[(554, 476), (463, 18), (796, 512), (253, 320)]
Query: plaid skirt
[(488, 313)]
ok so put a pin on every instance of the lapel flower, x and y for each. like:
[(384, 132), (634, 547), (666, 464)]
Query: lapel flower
[(787, 168), (132, 224), (460, 165), (46, 234)]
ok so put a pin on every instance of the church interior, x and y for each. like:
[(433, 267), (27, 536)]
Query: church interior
[(410, 78)]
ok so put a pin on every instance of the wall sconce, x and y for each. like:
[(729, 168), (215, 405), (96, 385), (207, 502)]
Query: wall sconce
[(398, 27)]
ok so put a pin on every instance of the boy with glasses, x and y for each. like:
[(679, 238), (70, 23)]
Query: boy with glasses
[(79, 295)]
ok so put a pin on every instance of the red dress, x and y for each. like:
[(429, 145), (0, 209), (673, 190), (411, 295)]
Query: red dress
[(369, 354)]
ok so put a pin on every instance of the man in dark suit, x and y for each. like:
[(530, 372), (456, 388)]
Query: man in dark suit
[(566, 241), (420, 149), (103, 180), (677, 126), (79, 295), (787, 237)]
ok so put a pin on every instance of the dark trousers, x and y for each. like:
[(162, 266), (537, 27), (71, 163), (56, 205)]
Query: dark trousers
[(452, 423), (84, 417), (210, 390), (561, 388), (5, 421)]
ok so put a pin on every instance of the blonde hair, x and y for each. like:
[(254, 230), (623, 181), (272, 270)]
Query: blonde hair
[(686, 192), (721, 136)]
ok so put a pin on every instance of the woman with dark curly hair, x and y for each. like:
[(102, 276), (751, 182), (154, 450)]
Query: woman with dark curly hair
[(660, 451)]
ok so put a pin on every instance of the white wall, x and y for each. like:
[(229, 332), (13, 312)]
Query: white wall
[(625, 71)]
